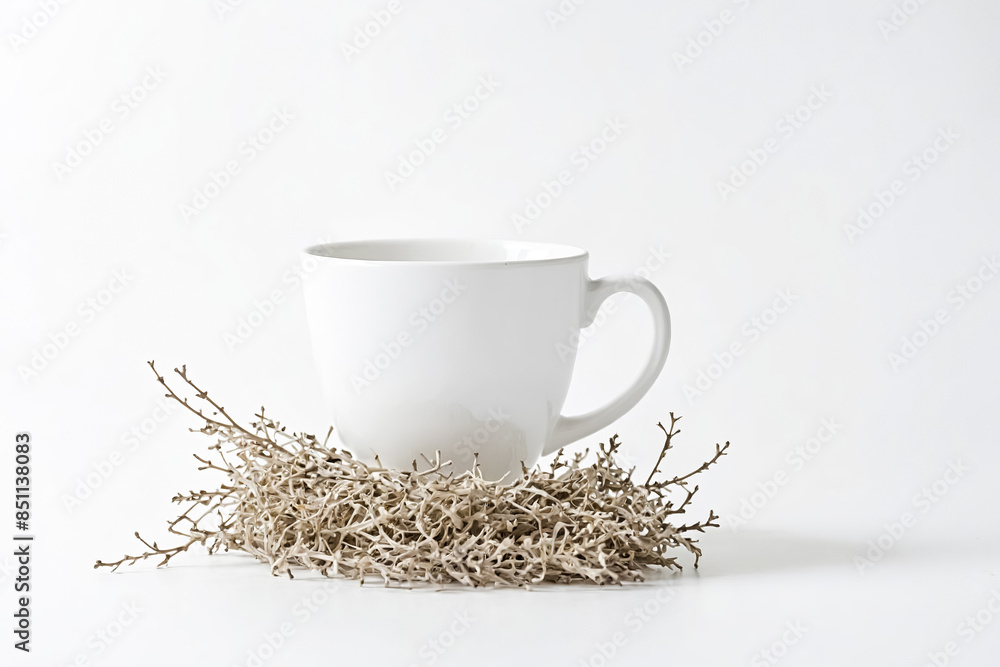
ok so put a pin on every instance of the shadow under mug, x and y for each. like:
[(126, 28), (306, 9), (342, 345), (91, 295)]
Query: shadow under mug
[(463, 347)]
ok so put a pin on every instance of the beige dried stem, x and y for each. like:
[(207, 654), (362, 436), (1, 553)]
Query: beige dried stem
[(291, 501)]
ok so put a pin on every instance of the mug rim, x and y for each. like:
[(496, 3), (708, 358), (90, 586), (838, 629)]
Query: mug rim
[(443, 251)]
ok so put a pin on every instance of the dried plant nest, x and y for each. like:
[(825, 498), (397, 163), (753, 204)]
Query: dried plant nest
[(292, 502)]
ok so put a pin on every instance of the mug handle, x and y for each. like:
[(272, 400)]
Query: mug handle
[(570, 429)]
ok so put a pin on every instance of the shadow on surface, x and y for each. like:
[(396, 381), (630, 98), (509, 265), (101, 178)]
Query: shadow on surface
[(757, 552)]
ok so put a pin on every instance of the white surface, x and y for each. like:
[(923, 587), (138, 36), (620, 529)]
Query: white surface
[(649, 202)]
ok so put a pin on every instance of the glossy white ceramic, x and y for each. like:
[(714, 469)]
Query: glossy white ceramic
[(462, 346)]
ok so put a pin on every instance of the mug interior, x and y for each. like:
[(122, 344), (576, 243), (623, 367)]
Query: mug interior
[(437, 251)]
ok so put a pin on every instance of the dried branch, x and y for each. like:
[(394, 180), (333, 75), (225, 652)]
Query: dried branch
[(300, 504), (666, 445)]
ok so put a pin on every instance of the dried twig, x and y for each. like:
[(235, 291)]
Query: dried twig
[(300, 504)]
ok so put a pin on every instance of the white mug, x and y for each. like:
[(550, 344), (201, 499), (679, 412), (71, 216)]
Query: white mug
[(463, 347)]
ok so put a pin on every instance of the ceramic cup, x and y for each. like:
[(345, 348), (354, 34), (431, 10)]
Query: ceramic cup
[(465, 347)]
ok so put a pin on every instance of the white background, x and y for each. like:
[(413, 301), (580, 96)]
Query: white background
[(653, 190)]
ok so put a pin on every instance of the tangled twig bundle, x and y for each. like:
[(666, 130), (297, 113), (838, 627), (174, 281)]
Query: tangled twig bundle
[(291, 501)]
